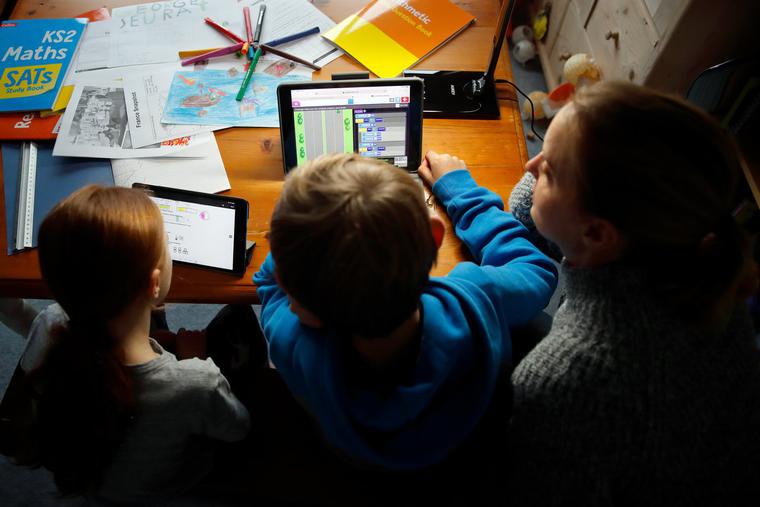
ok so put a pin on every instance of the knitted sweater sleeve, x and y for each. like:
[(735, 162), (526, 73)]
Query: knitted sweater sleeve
[(520, 201)]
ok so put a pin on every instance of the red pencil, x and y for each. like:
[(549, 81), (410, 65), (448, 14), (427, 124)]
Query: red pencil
[(248, 29), (219, 28)]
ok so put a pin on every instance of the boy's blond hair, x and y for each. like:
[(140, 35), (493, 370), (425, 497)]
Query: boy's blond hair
[(352, 242)]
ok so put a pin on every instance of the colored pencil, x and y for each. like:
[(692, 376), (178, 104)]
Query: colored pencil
[(212, 54), (290, 38), (248, 30), (247, 19), (187, 53), (296, 59), (224, 31), (249, 74)]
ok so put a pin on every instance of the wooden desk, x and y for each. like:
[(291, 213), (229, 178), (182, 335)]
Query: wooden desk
[(494, 150)]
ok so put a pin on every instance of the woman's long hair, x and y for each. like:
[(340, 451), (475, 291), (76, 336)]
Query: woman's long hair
[(667, 176), (97, 250)]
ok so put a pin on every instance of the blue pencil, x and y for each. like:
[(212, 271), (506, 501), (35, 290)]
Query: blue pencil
[(290, 38)]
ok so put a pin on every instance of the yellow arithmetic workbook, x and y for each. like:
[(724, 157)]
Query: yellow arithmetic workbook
[(389, 36)]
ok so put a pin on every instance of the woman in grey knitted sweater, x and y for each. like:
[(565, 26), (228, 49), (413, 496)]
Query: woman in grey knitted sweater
[(647, 389)]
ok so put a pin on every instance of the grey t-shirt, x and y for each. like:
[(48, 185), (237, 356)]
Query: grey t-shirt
[(179, 403)]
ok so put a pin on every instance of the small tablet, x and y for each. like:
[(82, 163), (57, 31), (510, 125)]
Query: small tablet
[(205, 230), (377, 118)]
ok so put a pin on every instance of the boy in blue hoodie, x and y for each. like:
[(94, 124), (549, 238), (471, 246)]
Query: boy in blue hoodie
[(396, 367)]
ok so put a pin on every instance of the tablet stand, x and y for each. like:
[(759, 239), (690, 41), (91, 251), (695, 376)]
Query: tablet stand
[(249, 251), (461, 93)]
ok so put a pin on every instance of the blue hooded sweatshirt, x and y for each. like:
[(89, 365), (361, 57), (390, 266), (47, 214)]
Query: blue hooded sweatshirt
[(465, 341)]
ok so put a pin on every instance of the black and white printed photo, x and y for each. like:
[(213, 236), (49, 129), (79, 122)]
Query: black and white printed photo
[(100, 118)]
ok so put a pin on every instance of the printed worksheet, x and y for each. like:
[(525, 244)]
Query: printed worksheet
[(156, 32), (95, 125), (94, 52)]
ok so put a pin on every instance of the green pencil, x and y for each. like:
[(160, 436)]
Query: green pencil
[(249, 74)]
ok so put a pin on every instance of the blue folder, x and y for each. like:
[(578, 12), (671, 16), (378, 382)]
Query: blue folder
[(57, 177)]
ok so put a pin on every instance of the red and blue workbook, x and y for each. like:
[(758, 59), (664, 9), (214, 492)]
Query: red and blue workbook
[(35, 55)]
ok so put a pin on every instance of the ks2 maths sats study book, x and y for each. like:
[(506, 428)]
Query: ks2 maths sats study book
[(389, 36), (35, 55)]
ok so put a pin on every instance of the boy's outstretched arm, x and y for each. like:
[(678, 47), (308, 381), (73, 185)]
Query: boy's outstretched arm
[(516, 276)]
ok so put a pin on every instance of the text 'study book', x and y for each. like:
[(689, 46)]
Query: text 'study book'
[(35, 55)]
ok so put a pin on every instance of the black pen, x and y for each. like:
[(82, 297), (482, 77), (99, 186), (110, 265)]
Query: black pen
[(259, 22)]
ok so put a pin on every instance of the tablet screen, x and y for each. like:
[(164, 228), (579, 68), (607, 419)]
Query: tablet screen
[(373, 121), (199, 233), (203, 229)]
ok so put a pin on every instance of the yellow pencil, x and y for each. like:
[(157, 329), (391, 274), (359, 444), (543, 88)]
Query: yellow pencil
[(194, 52)]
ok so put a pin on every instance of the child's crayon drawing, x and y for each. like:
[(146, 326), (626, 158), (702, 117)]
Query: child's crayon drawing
[(208, 98)]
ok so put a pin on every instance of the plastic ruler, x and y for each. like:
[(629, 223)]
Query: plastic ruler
[(26, 184)]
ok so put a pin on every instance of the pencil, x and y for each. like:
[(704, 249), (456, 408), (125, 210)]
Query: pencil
[(296, 59), (249, 74), (187, 53), (247, 19), (291, 38), (219, 28), (248, 30), (214, 53)]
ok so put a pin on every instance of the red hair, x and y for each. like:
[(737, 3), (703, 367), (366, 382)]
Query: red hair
[(97, 251)]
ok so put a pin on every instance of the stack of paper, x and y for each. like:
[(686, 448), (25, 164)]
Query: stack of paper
[(156, 32), (205, 174), (131, 108)]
